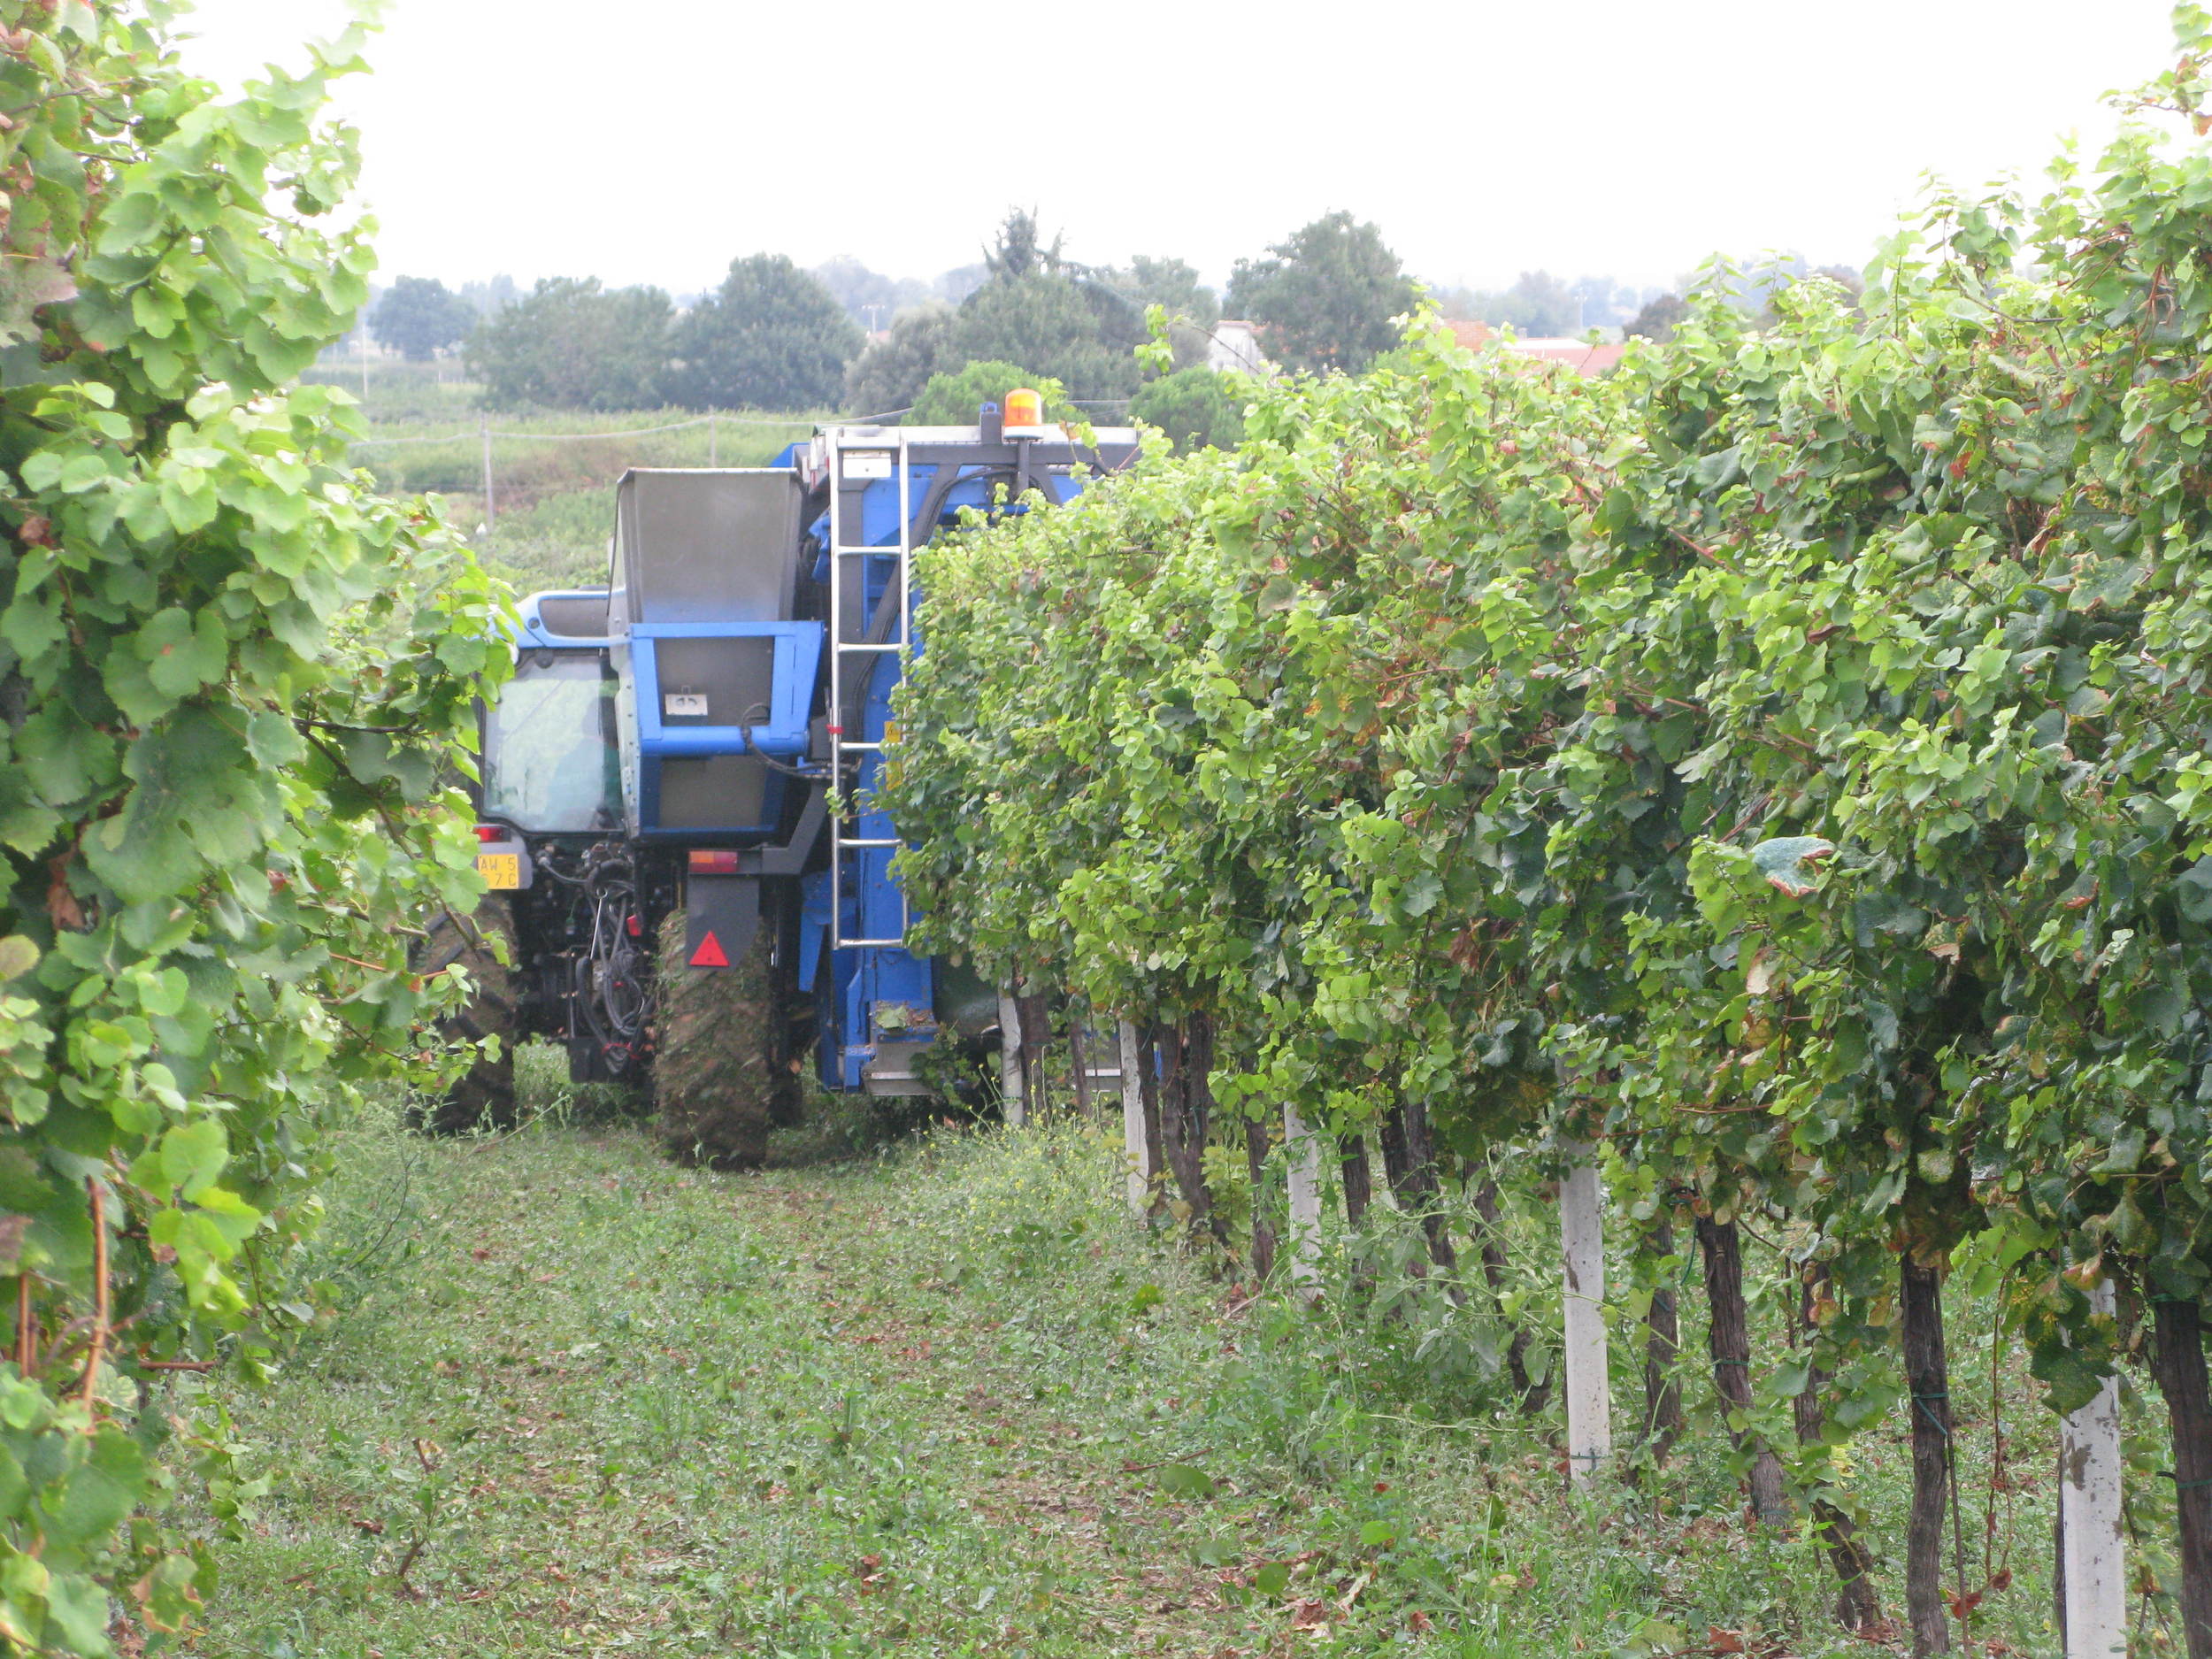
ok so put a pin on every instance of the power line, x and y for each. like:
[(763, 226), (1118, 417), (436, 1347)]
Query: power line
[(582, 437)]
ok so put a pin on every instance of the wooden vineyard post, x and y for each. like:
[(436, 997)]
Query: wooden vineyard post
[(1136, 1145), (1013, 1092), (1302, 1149), (2092, 1561), (1582, 1249)]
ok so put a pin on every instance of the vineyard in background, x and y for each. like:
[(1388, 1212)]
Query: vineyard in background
[(552, 475)]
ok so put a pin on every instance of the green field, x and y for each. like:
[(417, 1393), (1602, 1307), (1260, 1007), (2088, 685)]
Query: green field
[(948, 1398), (553, 483)]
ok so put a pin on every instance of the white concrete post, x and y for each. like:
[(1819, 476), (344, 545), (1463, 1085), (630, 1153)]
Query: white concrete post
[(1302, 1148), (1132, 1138), (491, 508), (1013, 1097), (2089, 1518), (1582, 1249)]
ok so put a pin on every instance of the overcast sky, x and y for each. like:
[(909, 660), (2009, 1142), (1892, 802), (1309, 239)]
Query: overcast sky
[(655, 140)]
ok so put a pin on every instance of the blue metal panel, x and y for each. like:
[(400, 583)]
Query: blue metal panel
[(866, 985), (814, 920)]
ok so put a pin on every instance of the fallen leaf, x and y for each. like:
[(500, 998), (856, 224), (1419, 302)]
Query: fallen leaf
[(61, 903)]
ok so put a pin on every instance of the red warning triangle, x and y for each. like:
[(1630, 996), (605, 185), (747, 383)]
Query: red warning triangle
[(709, 953)]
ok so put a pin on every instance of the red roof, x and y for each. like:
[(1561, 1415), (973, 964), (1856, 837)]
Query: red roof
[(1579, 354)]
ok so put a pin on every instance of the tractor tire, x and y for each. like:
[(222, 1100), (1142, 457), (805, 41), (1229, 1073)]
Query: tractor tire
[(483, 1096), (719, 1084)]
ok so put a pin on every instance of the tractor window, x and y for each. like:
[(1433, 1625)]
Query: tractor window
[(551, 763)]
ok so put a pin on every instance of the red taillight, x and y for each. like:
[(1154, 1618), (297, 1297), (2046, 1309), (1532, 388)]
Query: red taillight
[(714, 861), (490, 832)]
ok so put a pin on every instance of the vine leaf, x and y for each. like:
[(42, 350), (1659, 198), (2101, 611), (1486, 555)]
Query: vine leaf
[(1785, 862)]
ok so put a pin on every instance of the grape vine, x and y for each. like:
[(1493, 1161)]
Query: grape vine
[(1781, 764), (233, 683)]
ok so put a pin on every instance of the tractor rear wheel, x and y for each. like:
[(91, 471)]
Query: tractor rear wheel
[(720, 1079), (483, 1095)]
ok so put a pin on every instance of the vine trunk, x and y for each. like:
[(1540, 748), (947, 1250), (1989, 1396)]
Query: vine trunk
[(1728, 1338), (1920, 1306), (2178, 1342)]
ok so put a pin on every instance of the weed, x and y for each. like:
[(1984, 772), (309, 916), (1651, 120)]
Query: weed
[(945, 1398)]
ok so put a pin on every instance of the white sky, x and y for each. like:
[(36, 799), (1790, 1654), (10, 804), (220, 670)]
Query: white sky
[(655, 140)]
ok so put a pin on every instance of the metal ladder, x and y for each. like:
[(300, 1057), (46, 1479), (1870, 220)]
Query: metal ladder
[(850, 581)]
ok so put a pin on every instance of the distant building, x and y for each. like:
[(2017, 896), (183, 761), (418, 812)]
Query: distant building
[(1579, 354), (1236, 345)]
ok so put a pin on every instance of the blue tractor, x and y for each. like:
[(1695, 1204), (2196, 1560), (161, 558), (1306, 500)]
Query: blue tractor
[(687, 908)]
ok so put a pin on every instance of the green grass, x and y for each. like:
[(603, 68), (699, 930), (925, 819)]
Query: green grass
[(946, 1399), (553, 484)]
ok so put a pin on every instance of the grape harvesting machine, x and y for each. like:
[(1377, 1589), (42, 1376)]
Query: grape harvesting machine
[(675, 817)]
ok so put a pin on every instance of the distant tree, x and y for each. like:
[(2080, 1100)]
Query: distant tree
[(1537, 304), (890, 374), (571, 344), (1070, 323), (869, 298), (489, 299), (1043, 319), (1121, 295), (1021, 250), (1657, 318), (954, 399), (770, 337), (956, 284), (1457, 304), (1605, 303), (420, 317), (1326, 295), (1197, 408)]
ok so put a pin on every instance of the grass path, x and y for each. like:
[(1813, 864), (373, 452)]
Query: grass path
[(576, 1400), (607, 1405)]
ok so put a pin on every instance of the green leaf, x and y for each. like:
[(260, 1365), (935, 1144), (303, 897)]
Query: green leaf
[(1185, 1480), (1786, 861), (193, 1155), (17, 956), (100, 1491), (32, 624), (182, 653), (194, 791), (77, 1614)]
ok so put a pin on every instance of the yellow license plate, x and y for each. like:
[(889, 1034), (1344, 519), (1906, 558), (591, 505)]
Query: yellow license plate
[(500, 870)]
